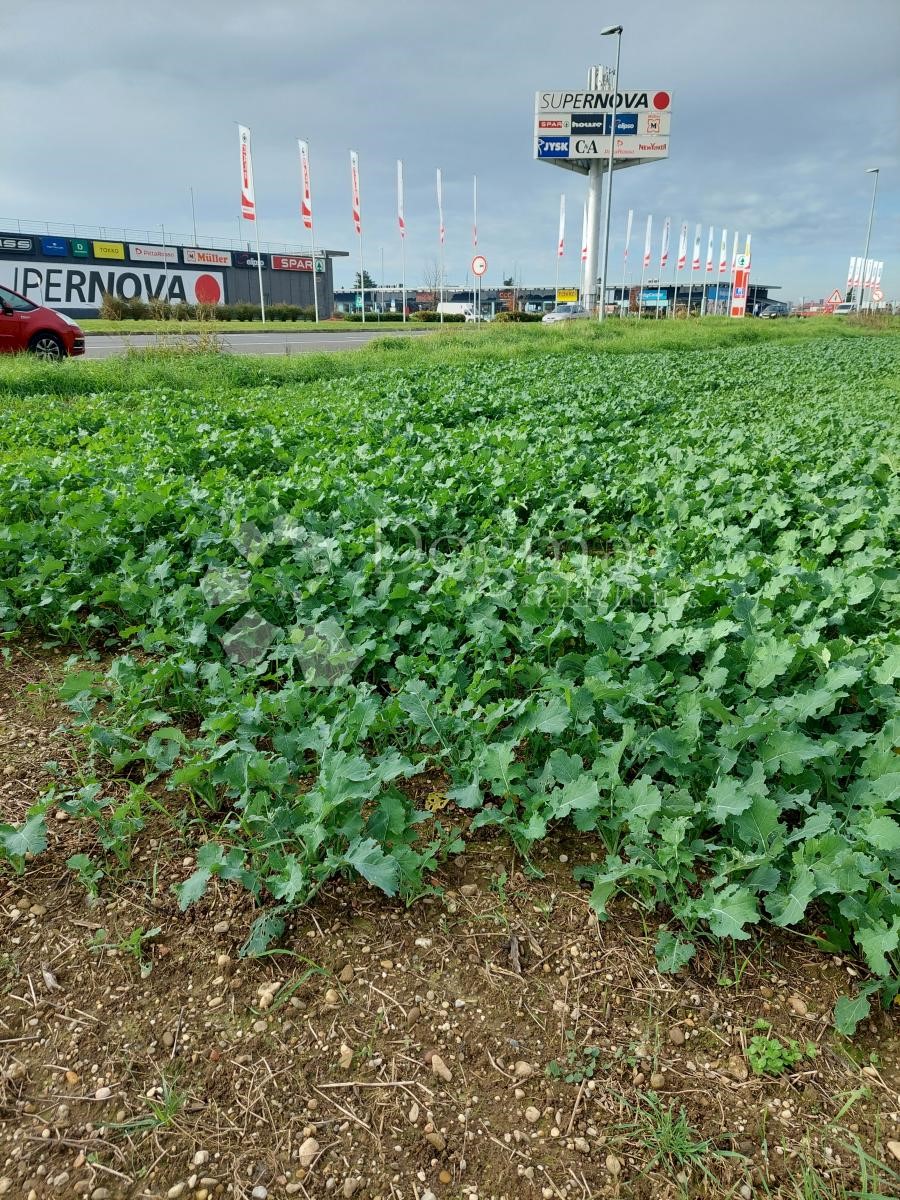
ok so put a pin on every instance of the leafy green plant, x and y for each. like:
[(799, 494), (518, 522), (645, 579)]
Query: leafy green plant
[(769, 1055), (133, 944), (88, 873), (658, 604), (579, 1063)]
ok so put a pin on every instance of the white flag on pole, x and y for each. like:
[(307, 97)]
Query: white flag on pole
[(851, 270), (664, 246), (734, 246), (870, 272), (584, 233), (723, 253), (709, 250), (647, 241), (248, 197), (695, 258), (561, 247), (401, 219), (474, 212), (682, 246), (440, 202), (879, 268), (628, 234), (306, 201), (354, 185), (747, 245)]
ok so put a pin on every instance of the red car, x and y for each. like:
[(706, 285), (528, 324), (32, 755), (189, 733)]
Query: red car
[(36, 328)]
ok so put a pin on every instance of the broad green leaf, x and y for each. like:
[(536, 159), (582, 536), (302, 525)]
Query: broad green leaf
[(787, 907), (882, 832), (729, 910), (193, 888), (850, 1010), (376, 867), (28, 838), (877, 940), (672, 952)]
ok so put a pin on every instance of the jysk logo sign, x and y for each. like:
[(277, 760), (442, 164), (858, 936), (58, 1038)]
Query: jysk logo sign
[(549, 147), (14, 243)]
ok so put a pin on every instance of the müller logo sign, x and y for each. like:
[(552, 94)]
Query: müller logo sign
[(207, 258)]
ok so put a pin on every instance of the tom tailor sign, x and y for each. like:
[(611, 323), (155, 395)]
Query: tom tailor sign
[(83, 286)]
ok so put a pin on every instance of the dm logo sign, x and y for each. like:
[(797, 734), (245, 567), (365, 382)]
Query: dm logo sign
[(553, 147)]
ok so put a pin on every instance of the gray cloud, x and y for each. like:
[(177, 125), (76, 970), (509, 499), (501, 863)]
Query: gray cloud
[(113, 110)]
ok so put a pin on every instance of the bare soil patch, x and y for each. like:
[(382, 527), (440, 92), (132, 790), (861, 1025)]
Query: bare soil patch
[(493, 1041)]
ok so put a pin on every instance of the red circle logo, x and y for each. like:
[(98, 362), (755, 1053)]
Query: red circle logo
[(207, 290), (661, 100)]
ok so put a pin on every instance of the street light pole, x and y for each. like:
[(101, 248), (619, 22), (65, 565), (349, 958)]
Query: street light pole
[(617, 30), (862, 274)]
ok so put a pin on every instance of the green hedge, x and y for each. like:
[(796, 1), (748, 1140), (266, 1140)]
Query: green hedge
[(520, 318), (113, 308), (371, 316)]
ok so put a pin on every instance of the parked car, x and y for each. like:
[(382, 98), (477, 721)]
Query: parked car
[(564, 312), (44, 332), (842, 310)]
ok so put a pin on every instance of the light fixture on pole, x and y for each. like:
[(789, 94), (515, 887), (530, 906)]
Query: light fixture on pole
[(862, 275), (608, 32)]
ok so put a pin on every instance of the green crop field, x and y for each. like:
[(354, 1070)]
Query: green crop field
[(353, 615)]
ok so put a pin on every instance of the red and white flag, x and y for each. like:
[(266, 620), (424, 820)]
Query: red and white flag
[(440, 201), (474, 212), (695, 260), (306, 201), (747, 245), (734, 246), (628, 234), (851, 271), (709, 251), (584, 233), (870, 272), (879, 267), (248, 197), (682, 247), (561, 246), (857, 273), (354, 185), (401, 220), (723, 253), (646, 262), (664, 246)]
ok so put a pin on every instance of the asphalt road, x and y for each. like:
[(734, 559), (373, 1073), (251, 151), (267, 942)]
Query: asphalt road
[(106, 345)]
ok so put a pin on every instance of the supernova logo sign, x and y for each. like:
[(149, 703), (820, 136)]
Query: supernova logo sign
[(77, 286)]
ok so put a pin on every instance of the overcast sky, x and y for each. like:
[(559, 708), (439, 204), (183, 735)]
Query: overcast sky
[(112, 109)]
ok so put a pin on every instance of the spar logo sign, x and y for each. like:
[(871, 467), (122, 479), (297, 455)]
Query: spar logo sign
[(83, 286)]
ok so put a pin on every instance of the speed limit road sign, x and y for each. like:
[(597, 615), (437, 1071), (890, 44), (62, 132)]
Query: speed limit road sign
[(479, 264)]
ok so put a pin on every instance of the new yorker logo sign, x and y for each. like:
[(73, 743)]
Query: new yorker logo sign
[(601, 101)]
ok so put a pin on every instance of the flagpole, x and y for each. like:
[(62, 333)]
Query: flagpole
[(625, 256), (401, 226), (249, 210), (306, 213), (440, 200), (675, 276)]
